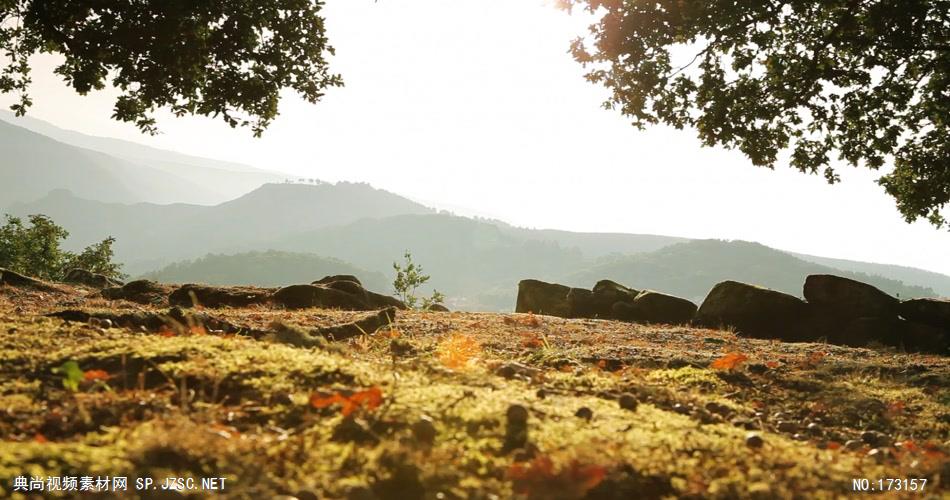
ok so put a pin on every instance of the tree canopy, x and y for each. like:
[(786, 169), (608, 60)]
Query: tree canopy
[(866, 82), (34, 249), (221, 58)]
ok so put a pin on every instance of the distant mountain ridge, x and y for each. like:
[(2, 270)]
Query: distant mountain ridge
[(39, 157)]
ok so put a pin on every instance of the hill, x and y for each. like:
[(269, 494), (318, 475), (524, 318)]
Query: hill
[(148, 174), (149, 236), (691, 269), (270, 268), (32, 165)]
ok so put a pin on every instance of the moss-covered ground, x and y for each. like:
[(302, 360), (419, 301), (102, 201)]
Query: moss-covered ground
[(462, 405)]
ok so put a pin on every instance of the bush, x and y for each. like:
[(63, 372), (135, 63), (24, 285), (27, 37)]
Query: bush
[(34, 249), (410, 277)]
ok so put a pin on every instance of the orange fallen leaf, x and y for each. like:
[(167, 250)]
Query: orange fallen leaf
[(730, 361), (39, 438), (370, 399), (458, 351), (93, 375)]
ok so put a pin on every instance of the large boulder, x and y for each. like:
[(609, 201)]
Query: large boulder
[(338, 294), (753, 311), (847, 298), (896, 332), (606, 297), (140, 291), (538, 297), (214, 296), (933, 312), (89, 278), (655, 307)]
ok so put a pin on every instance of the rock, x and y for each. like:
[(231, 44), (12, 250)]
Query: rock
[(514, 369), (874, 438), (656, 307), (584, 413), (848, 298), (88, 278), (754, 311), (11, 278), (814, 429), (581, 304), (542, 298), (932, 312), (754, 440), (853, 444), (437, 308), (140, 291), (516, 430), (335, 295), (607, 294), (338, 277), (317, 337), (424, 430), (894, 332), (175, 320), (628, 401), (213, 296), (786, 426)]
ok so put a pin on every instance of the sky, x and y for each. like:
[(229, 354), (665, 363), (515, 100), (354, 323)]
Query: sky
[(475, 105)]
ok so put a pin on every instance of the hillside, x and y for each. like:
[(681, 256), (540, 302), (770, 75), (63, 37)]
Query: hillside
[(33, 165), (458, 405), (150, 236), (691, 269), (271, 269), (187, 179)]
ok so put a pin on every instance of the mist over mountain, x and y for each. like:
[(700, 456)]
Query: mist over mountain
[(39, 157), (279, 233), (149, 236)]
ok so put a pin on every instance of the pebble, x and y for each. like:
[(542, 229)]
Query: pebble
[(814, 429), (853, 444), (786, 426), (628, 402), (585, 413), (753, 440), (681, 408), (517, 415), (874, 438), (880, 454), (424, 430)]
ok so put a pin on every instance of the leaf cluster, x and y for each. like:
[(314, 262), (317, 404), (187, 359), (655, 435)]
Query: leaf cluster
[(859, 81), (220, 58)]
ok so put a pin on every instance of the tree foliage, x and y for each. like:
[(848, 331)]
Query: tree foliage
[(222, 58), (34, 250), (862, 81)]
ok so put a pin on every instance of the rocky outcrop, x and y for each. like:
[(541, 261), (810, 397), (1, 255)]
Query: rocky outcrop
[(140, 291), (90, 279), (538, 297), (437, 308), (11, 278), (847, 298), (932, 312), (213, 296), (655, 307), (334, 292), (753, 311)]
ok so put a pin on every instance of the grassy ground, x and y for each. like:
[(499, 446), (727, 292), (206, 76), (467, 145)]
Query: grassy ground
[(462, 405)]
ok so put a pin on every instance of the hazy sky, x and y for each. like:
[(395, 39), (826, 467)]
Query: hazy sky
[(477, 104)]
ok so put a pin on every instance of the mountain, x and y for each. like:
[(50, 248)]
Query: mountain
[(40, 157), (691, 269), (32, 165), (150, 236), (940, 283), (270, 268), (477, 263)]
